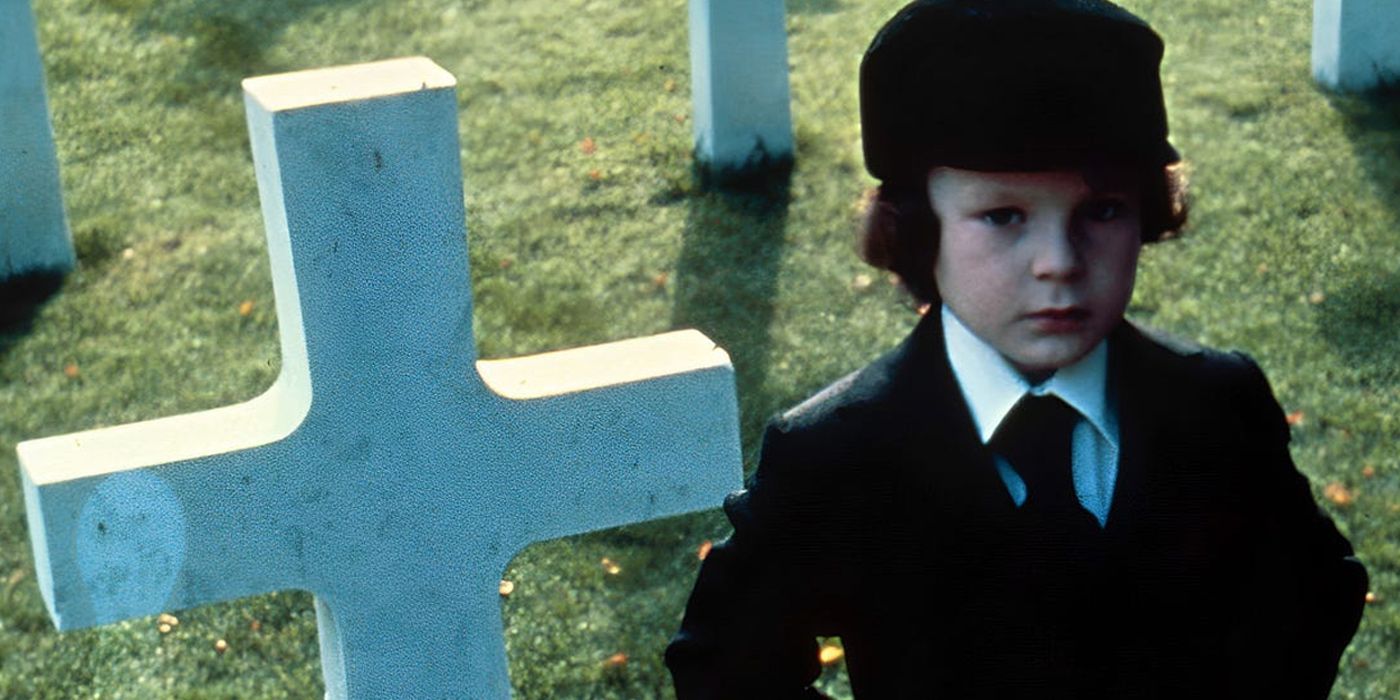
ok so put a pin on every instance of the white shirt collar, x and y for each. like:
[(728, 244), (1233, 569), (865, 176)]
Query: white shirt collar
[(991, 386)]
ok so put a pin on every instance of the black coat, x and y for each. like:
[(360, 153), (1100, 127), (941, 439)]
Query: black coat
[(876, 515)]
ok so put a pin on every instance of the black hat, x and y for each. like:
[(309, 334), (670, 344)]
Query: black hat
[(1011, 85)]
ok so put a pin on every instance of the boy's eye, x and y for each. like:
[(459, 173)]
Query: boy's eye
[(1005, 216), (1104, 210)]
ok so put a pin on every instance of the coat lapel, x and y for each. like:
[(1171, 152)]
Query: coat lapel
[(945, 465), (1140, 381)]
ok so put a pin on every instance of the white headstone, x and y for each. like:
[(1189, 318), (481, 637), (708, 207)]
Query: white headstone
[(387, 470), (739, 84), (33, 231), (1356, 43)]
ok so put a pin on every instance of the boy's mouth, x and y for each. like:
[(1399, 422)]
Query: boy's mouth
[(1067, 319)]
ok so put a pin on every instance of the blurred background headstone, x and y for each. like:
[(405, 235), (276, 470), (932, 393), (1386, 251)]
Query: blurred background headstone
[(33, 230), (739, 85), (1356, 43)]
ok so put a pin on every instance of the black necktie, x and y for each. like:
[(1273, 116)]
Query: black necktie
[(1035, 439), (1058, 545)]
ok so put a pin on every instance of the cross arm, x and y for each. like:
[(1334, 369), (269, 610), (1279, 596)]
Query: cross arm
[(615, 433), (111, 510)]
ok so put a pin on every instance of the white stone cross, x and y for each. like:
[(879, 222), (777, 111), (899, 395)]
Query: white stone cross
[(387, 470), (1356, 43), (739, 84), (33, 231)]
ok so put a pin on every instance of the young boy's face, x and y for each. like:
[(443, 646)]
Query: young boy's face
[(1039, 265)]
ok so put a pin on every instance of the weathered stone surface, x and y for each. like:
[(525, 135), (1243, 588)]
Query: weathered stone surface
[(387, 470)]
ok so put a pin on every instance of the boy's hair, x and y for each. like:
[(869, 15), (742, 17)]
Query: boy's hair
[(900, 231), (1003, 86)]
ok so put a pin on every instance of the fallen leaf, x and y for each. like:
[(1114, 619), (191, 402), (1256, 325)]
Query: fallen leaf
[(660, 279), (1317, 298), (1295, 418), (680, 118), (245, 308), (1339, 494), (595, 174), (15, 578), (1368, 471), (615, 661), (588, 146), (507, 587), (255, 625), (704, 550), (506, 263), (70, 370), (830, 654), (670, 85), (1263, 267), (861, 282)]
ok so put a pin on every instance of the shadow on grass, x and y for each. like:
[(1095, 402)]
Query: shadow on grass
[(726, 278), (228, 39), (1362, 320), (1362, 323), (21, 297), (725, 282)]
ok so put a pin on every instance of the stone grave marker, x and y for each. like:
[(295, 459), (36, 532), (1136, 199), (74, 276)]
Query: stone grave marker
[(739, 84), (1356, 43), (387, 470), (33, 231)]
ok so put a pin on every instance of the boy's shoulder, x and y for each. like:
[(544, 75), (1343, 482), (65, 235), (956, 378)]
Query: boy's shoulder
[(854, 398), (1176, 359), (877, 402), (1215, 387), (903, 392)]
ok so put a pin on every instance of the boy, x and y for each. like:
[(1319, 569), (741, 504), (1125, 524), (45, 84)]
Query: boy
[(1029, 497)]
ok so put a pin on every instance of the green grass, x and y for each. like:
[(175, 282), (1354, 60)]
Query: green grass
[(1292, 256)]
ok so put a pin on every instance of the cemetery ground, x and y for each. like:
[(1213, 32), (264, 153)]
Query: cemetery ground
[(587, 225)]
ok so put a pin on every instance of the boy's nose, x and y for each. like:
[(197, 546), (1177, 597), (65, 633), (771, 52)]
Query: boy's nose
[(1056, 255)]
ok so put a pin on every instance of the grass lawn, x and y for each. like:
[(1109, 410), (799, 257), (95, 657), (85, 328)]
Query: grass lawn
[(1293, 256)]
